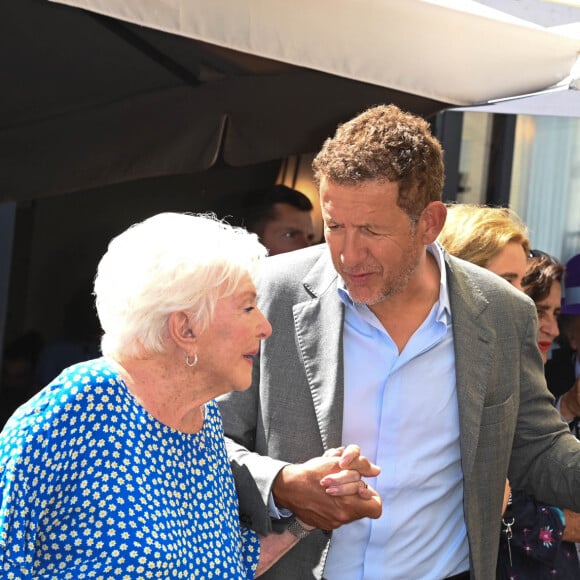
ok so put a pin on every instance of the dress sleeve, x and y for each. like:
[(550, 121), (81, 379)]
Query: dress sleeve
[(9, 569), (250, 551), (18, 505)]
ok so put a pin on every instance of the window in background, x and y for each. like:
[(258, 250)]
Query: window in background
[(545, 183), (474, 157)]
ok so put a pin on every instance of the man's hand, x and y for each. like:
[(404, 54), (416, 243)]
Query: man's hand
[(327, 492)]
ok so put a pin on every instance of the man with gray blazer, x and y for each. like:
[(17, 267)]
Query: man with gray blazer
[(428, 363)]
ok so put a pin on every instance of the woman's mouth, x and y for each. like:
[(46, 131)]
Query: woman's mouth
[(544, 345), (251, 355)]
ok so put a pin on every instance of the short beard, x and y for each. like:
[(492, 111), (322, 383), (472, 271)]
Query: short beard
[(402, 276)]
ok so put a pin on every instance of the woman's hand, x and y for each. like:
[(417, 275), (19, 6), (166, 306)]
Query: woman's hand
[(327, 491), (349, 481), (572, 529), (570, 403)]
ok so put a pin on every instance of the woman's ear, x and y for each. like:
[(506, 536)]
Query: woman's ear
[(180, 329)]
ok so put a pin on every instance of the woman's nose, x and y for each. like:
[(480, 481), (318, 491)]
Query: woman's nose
[(265, 328)]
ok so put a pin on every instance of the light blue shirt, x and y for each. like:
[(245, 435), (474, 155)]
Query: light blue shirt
[(402, 410)]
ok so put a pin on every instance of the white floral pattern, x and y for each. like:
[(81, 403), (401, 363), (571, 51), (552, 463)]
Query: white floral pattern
[(92, 486)]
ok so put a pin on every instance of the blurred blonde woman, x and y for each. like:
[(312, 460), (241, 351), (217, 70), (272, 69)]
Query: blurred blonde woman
[(494, 238)]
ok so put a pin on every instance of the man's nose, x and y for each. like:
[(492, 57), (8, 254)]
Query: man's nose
[(353, 249)]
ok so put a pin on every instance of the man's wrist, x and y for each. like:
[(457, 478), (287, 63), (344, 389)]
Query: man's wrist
[(280, 487)]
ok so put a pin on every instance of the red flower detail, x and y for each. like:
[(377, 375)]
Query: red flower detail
[(546, 536)]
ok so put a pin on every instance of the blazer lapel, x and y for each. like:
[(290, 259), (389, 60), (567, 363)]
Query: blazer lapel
[(474, 343), (318, 325)]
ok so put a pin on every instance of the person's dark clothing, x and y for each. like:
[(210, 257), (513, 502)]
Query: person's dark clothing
[(536, 550), (560, 371)]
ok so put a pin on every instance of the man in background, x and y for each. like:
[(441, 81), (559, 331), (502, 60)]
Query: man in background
[(281, 217)]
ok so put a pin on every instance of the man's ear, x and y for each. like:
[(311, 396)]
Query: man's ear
[(181, 330), (433, 218)]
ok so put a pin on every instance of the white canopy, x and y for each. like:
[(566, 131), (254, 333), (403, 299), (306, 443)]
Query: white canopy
[(456, 51), (124, 90), (561, 99)]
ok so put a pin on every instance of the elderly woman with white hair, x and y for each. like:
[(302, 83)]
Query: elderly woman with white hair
[(118, 468)]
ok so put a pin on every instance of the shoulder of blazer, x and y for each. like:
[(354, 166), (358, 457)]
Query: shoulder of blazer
[(475, 289), (308, 272)]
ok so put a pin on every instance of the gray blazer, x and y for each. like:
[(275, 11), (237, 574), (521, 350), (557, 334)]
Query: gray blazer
[(293, 411)]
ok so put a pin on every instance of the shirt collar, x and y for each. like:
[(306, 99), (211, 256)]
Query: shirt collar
[(444, 307)]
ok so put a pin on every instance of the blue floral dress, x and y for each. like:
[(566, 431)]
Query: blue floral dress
[(92, 486)]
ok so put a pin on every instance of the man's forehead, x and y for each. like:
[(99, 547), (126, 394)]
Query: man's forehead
[(284, 210)]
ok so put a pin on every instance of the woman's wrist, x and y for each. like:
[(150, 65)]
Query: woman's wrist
[(564, 409)]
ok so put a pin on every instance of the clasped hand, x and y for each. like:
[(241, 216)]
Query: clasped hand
[(570, 402), (327, 492)]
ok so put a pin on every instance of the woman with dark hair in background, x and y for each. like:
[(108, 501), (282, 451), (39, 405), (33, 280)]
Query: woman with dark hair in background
[(537, 540)]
